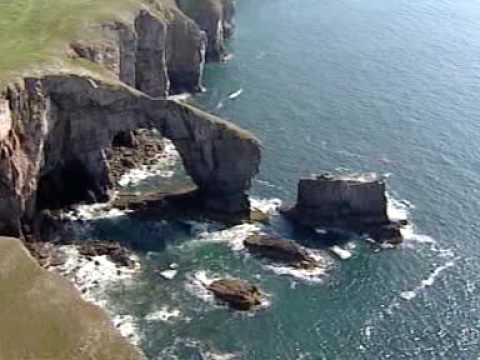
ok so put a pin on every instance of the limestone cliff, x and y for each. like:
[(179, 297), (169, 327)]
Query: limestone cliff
[(159, 50), (216, 18), (55, 128), (55, 131)]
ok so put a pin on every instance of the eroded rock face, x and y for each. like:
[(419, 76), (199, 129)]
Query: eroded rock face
[(216, 18), (238, 294), (157, 55), (61, 126), (357, 203), (279, 250)]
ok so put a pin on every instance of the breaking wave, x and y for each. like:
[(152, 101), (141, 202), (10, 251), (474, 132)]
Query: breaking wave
[(428, 282), (164, 163)]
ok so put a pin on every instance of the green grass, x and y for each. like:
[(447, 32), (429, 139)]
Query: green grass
[(37, 32)]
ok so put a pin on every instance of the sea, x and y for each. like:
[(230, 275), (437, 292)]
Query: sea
[(391, 87)]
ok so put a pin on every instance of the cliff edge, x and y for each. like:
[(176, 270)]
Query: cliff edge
[(44, 317)]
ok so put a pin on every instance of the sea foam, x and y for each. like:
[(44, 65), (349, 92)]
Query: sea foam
[(428, 282), (162, 167)]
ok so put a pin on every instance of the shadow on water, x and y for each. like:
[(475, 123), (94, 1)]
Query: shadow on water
[(139, 236)]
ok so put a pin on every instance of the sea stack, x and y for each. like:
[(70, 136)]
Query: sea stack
[(352, 202)]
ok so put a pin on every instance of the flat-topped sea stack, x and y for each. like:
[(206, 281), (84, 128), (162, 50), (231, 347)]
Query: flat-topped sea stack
[(352, 202)]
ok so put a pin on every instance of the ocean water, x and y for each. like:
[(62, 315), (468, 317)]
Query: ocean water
[(350, 85)]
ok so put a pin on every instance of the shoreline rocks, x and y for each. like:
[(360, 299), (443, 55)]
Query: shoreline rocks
[(113, 250), (287, 251), (238, 294), (353, 202)]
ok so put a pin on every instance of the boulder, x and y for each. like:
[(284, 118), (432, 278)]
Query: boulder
[(352, 202), (238, 294), (279, 250), (118, 254)]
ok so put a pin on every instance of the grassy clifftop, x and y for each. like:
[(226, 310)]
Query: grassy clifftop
[(34, 32)]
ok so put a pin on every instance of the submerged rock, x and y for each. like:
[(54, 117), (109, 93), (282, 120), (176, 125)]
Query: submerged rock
[(279, 250), (238, 294), (118, 254), (352, 202)]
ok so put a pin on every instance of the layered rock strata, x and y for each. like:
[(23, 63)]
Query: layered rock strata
[(216, 18), (55, 131), (357, 203)]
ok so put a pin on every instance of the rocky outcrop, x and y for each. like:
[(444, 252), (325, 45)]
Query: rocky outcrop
[(357, 203), (158, 55), (238, 294), (118, 254), (58, 127), (160, 51), (216, 18), (44, 317), (281, 250)]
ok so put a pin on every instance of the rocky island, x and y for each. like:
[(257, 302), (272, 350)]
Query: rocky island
[(355, 202)]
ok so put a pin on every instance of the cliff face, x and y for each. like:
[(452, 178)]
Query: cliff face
[(56, 130), (44, 317), (216, 18), (156, 52)]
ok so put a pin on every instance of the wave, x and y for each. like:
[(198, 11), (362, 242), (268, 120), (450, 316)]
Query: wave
[(165, 314), (94, 211), (163, 166), (180, 97), (235, 94), (92, 277), (340, 252), (267, 206), (316, 274), (187, 348), (128, 328), (197, 284), (398, 210), (428, 282), (210, 233)]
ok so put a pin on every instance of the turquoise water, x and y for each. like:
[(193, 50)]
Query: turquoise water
[(385, 86)]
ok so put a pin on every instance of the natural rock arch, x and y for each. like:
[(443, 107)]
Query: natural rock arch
[(57, 122)]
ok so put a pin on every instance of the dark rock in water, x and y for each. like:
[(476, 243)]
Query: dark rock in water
[(118, 254), (185, 202), (390, 233), (47, 254), (239, 294), (356, 202), (279, 250)]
